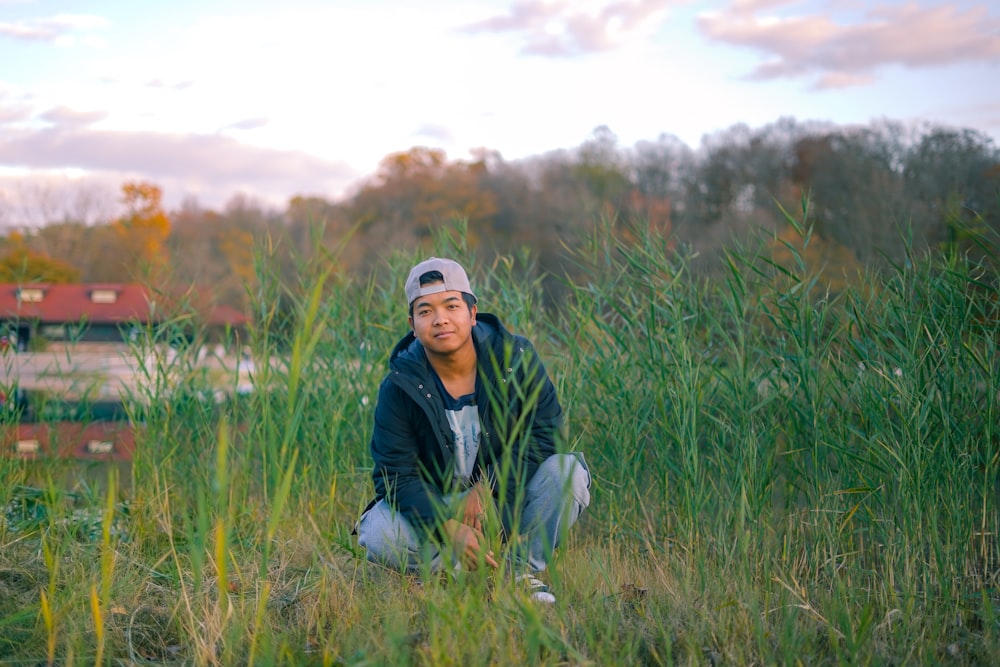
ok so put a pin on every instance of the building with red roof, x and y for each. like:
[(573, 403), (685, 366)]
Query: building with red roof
[(99, 312), (94, 322)]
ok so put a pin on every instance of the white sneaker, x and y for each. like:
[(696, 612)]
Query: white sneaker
[(538, 589)]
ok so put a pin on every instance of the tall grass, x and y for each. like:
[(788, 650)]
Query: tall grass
[(782, 474)]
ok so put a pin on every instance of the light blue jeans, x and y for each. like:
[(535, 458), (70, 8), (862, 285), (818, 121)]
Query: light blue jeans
[(553, 500)]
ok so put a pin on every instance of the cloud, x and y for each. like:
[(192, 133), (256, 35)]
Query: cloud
[(833, 80), (210, 166), (159, 83), (65, 116), (14, 113), (435, 132), (563, 28), (248, 124), (56, 29), (847, 53)]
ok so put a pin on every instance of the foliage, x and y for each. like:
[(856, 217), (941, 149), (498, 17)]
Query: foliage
[(22, 265), (216, 250), (834, 265), (416, 190), (877, 192), (144, 228)]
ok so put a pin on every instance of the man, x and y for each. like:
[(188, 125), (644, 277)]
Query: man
[(466, 423)]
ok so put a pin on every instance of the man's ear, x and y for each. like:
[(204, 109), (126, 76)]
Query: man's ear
[(474, 310), (409, 320)]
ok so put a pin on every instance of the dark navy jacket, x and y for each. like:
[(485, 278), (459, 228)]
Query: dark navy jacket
[(412, 444)]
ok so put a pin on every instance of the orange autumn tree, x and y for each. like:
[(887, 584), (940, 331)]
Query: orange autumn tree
[(416, 191), (21, 264), (143, 230), (834, 263)]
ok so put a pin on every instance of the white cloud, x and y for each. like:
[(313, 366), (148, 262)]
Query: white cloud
[(57, 29), (574, 28), (25, 31), (435, 132), (834, 80), (193, 164), (248, 124), (66, 116), (15, 113)]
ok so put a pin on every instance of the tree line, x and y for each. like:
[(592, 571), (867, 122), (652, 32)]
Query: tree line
[(874, 193)]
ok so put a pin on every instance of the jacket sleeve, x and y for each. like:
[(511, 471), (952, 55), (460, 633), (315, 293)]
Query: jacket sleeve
[(542, 407), (397, 470)]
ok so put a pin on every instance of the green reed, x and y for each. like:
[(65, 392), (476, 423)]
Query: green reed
[(782, 473)]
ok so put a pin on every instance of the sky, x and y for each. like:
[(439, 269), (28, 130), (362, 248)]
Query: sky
[(210, 99)]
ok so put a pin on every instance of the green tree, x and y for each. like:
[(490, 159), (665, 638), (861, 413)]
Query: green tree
[(953, 178)]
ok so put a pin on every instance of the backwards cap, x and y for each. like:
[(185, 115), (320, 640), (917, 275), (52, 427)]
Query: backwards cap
[(452, 272)]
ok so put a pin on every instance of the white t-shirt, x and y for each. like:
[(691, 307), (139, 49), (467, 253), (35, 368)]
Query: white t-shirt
[(463, 417)]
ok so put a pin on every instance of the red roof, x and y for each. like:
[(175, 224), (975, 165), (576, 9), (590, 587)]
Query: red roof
[(75, 303), (222, 315)]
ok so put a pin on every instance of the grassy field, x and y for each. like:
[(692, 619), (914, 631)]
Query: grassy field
[(782, 475)]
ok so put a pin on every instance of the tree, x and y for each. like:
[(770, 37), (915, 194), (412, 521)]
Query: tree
[(658, 167), (143, 229), (833, 263), (312, 220), (73, 243), (215, 251), (953, 176), (854, 181), (418, 190), (599, 168), (22, 265)]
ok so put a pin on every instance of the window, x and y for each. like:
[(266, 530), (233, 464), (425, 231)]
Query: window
[(100, 447), (104, 296), (31, 294), (53, 332), (27, 446)]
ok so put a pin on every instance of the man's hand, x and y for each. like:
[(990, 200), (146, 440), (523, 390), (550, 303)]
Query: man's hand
[(469, 543), (476, 501)]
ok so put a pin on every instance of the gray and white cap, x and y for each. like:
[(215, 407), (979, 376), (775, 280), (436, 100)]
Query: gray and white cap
[(454, 276)]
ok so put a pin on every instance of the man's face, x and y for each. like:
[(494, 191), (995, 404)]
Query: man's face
[(443, 322)]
